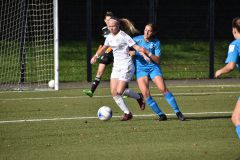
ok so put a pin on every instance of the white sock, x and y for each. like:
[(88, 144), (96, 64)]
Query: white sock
[(130, 93), (122, 105)]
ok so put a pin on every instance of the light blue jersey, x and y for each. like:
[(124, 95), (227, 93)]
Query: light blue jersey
[(234, 53), (143, 68)]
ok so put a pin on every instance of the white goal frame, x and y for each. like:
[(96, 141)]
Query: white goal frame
[(56, 45), (29, 45)]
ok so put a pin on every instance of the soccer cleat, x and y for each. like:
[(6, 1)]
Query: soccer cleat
[(162, 117), (127, 117), (88, 92), (141, 102), (180, 116)]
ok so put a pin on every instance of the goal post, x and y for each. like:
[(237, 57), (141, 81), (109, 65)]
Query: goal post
[(28, 44), (56, 45)]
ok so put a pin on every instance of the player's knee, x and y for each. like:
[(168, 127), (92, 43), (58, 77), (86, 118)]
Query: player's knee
[(235, 119), (119, 92), (113, 92)]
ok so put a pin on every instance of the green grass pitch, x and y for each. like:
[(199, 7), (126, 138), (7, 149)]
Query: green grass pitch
[(63, 125)]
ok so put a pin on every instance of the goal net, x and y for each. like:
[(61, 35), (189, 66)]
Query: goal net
[(27, 36)]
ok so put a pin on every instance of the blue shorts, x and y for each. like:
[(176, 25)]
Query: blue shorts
[(151, 72)]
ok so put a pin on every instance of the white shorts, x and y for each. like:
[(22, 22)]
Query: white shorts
[(123, 73)]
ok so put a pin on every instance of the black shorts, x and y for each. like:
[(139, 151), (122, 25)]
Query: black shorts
[(106, 58)]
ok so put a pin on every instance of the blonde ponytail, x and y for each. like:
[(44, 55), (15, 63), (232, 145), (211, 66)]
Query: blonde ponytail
[(128, 27)]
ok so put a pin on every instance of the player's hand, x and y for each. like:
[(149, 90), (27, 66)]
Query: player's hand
[(218, 73), (143, 50), (147, 58), (93, 59)]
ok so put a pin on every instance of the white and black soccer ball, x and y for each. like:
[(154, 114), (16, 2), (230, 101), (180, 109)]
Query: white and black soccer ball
[(104, 113), (51, 84)]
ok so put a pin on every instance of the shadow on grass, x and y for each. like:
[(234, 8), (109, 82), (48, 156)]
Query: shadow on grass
[(189, 118)]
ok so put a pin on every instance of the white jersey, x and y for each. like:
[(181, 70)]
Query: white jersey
[(120, 44)]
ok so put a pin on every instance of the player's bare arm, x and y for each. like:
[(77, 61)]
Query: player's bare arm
[(152, 56), (143, 52), (226, 69), (99, 52)]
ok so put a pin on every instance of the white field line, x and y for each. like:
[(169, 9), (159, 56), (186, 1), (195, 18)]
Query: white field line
[(84, 118), (109, 96), (169, 86)]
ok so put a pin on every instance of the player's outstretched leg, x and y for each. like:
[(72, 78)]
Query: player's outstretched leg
[(122, 105), (88, 92), (172, 102), (236, 117), (141, 101), (153, 105), (125, 96), (95, 83), (238, 130), (138, 96)]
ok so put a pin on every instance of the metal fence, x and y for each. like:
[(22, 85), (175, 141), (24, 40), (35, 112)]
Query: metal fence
[(177, 21)]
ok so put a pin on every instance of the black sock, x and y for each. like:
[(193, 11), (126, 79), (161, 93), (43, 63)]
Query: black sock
[(95, 84)]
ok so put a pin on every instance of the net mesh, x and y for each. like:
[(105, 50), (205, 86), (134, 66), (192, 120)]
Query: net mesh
[(26, 44)]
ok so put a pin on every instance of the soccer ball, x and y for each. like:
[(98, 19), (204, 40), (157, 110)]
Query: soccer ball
[(51, 83), (104, 113)]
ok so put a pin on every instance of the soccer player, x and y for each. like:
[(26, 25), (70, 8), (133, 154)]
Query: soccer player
[(104, 60), (150, 69), (123, 68), (107, 57), (233, 59)]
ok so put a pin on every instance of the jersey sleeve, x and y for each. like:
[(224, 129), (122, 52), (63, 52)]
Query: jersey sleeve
[(129, 41), (233, 54)]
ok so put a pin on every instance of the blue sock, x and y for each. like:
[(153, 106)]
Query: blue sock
[(238, 130), (171, 101), (153, 105)]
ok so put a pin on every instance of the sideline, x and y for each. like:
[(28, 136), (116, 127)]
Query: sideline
[(84, 118), (109, 96)]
